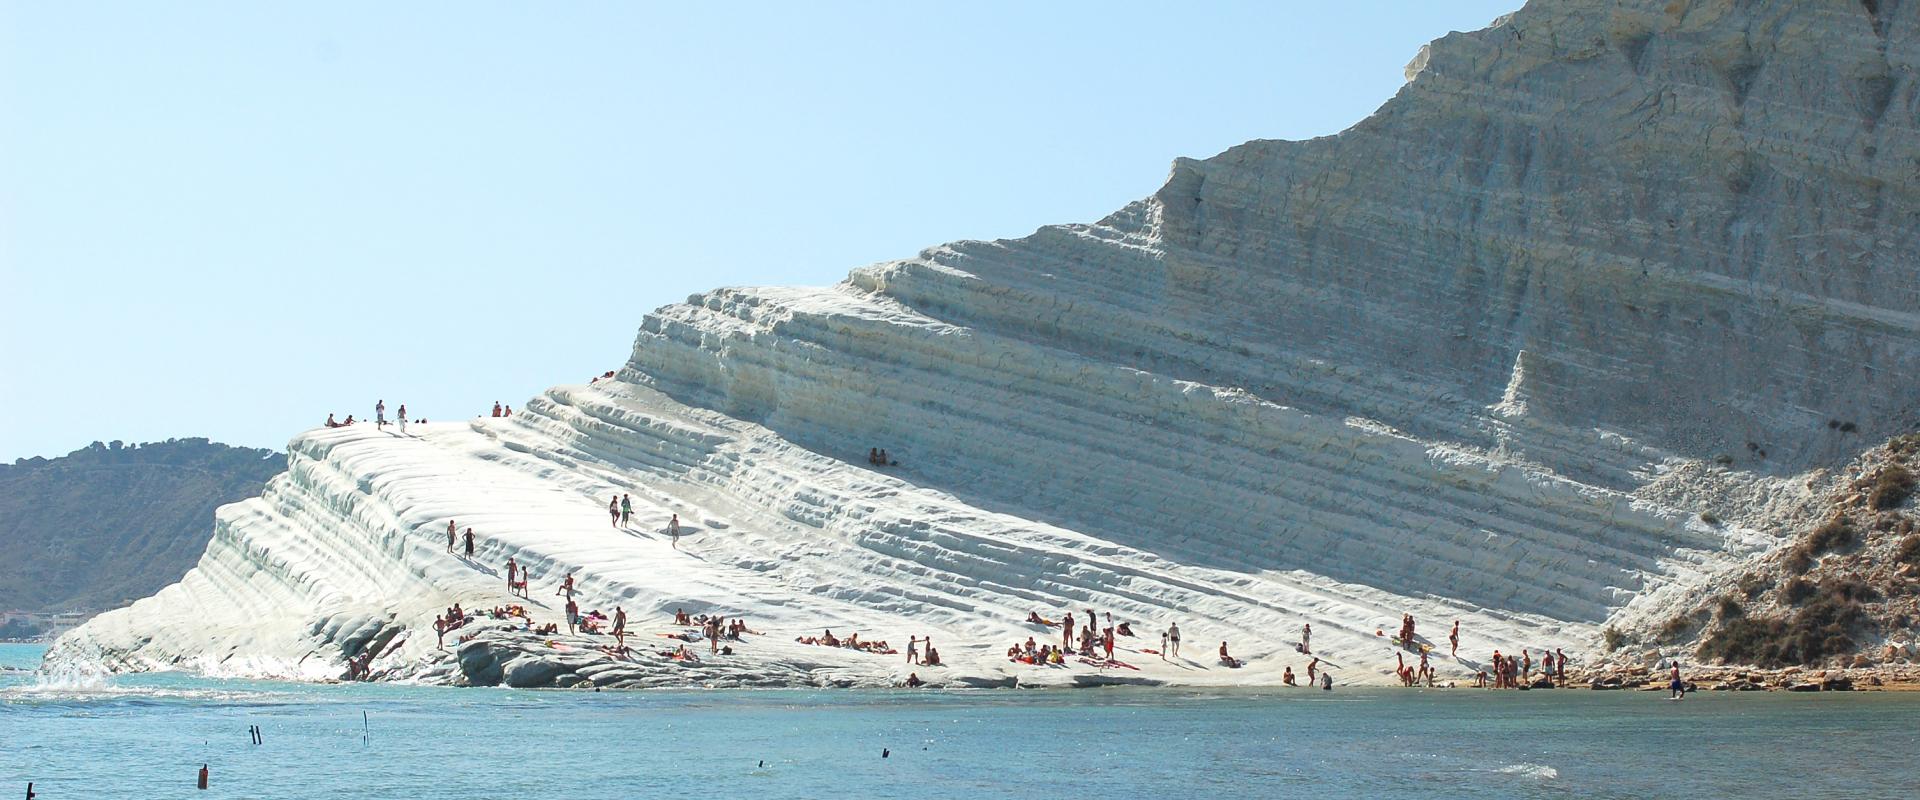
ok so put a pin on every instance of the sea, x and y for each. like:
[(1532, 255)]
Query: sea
[(147, 736)]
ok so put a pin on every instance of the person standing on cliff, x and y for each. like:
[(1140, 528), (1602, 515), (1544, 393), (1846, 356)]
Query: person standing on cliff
[(380, 414), (451, 535), (1453, 639), (573, 611), (673, 529), (1173, 639), (469, 543), (513, 571), (613, 511), (402, 416), (626, 510), (496, 408), (1306, 639)]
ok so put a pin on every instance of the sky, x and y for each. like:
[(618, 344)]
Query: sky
[(229, 219)]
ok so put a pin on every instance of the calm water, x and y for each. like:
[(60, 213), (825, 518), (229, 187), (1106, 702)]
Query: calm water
[(146, 736)]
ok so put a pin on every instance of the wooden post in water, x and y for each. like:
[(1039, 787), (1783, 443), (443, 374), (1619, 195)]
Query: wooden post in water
[(203, 776)]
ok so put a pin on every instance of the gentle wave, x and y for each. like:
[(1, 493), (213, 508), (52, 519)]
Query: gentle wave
[(1539, 771), (76, 685)]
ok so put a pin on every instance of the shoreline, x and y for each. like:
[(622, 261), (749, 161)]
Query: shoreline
[(596, 673)]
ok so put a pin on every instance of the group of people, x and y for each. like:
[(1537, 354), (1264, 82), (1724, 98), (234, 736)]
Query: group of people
[(716, 628), (1045, 654), (877, 646), (1314, 674), (1414, 676), (453, 538), (452, 618), (620, 515), (1092, 642), (518, 577), (502, 411), (878, 458), (380, 416), (360, 667), (1514, 672)]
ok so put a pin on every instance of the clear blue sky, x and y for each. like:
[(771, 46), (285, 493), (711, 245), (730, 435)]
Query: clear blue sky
[(224, 220)]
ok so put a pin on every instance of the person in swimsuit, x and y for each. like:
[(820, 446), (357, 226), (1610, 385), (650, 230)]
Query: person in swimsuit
[(1676, 690), (1306, 638), (673, 529), (1173, 638), (452, 535), (1453, 638), (613, 511), (626, 510)]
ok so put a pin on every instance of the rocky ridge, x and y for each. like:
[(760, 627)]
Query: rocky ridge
[(1488, 355)]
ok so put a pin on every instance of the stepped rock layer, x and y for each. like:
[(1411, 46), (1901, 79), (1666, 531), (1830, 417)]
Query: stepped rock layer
[(1475, 358)]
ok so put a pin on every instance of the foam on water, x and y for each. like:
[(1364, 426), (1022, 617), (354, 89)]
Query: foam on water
[(1540, 771)]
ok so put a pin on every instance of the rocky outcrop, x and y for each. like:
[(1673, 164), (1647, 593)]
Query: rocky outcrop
[(1488, 355)]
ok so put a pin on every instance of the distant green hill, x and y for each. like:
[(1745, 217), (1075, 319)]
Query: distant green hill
[(109, 523)]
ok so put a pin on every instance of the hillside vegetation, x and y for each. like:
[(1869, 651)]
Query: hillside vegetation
[(109, 523)]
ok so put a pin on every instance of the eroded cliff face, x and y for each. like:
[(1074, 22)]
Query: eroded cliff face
[(1484, 356)]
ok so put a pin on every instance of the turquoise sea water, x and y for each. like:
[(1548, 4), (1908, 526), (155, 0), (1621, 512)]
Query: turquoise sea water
[(146, 736)]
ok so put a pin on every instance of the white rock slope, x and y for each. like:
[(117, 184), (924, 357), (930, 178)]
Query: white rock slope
[(1471, 359)]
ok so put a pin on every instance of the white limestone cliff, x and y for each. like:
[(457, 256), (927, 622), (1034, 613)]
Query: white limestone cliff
[(1484, 356)]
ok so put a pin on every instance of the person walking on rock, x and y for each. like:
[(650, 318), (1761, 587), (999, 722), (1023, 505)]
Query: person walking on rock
[(402, 415), (1173, 639), (1306, 639), (452, 533), (380, 414), (1453, 639), (626, 510), (673, 529), (513, 571), (613, 511)]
